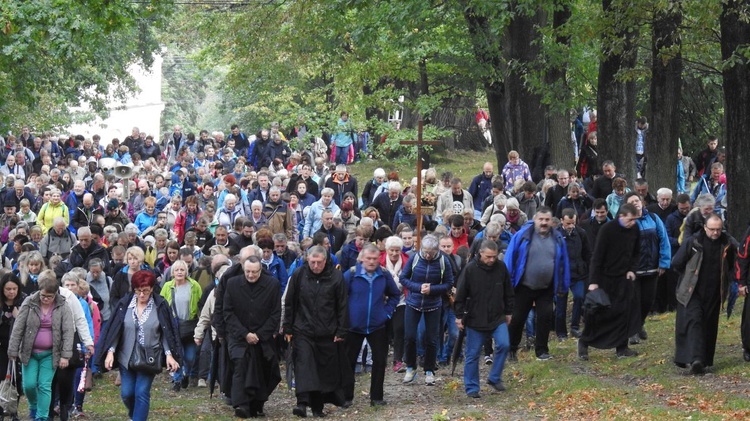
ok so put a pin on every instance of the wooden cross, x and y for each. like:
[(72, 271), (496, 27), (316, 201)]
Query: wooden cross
[(419, 143)]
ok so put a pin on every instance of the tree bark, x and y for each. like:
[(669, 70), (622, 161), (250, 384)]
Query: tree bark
[(616, 96), (558, 118), (522, 108), (735, 34), (666, 92)]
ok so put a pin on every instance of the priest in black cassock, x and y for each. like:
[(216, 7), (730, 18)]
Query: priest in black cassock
[(705, 262), (613, 264), (252, 313)]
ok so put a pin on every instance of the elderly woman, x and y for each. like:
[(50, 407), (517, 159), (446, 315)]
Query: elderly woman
[(257, 216), (182, 294), (134, 261), (141, 318), (393, 260), (42, 338), (229, 212), (147, 220), (498, 207), (428, 277), (49, 211)]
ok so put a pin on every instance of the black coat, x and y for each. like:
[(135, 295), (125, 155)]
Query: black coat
[(484, 295), (386, 207), (252, 308), (316, 305), (579, 252), (337, 236), (117, 320)]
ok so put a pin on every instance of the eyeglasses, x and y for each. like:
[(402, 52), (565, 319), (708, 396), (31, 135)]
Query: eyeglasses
[(713, 229), (46, 297), (145, 291)]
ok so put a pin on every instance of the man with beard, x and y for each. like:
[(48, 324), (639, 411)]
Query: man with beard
[(705, 262), (315, 325), (613, 264), (252, 312)]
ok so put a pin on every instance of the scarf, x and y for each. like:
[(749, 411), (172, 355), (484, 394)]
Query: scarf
[(144, 316)]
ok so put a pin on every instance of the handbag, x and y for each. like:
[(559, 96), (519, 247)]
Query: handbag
[(77, 360), (186, 327), (9, 390), (146, 360)]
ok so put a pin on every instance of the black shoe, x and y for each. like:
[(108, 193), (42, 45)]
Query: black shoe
[(499, 386), (575, 332), (347, 404), (378, 402), (746, 355), (634, 340), (512, 356), (697, 368), (300, 411), (583, 351), (474, 395), (176, 386), (643, 335), (185, 382), (319, 413), (681, 365), (241, 412), (627, 352)]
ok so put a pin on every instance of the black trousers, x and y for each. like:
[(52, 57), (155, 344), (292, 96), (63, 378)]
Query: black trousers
[(312, 399), (526, 298), (396, 324), (63, 391), (378, 341), (645, 294)]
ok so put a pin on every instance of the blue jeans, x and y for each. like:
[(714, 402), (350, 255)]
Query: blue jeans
[(432, 330), (135, 392), (474, 341), (447, 323), (561, 309), (79, 396), (342, 154), (531, 324), (188, 368)]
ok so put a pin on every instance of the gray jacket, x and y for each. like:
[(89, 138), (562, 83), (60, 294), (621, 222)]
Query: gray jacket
[(52, 244), (27, 325)]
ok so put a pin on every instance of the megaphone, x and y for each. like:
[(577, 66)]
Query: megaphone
[(123, 171), (107, 164)]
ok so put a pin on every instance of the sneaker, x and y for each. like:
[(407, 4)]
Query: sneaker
[(627, 352), (499, 386), (176, 386), (583, 351), (429, 378), (410, 375), (634, 340), (544, 357), (643, 335), (202, 383), (474, 395), (488, 360), (194, 382), (512, 356), (399, 367)]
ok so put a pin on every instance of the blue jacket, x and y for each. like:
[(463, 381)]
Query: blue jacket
[(480, 189), (674, 223), (517, 254), (417, 271), (277, 269), (371, 301), (144, 220), (349, 254), (703, 186), (656, 251)]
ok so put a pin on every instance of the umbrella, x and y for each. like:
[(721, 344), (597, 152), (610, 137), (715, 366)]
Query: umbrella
[(289, 367), (457, 350), (214, 373)]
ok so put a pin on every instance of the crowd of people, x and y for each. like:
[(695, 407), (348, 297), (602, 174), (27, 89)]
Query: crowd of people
[(226, 258)]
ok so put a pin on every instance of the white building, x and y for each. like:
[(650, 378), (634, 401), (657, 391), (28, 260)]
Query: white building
[(141, 109)]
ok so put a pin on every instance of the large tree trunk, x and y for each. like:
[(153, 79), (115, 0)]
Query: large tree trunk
[(488, 55), (735, 33), (666, 92), (522, 109), (616, 97), (558, 118), (457, 114)]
